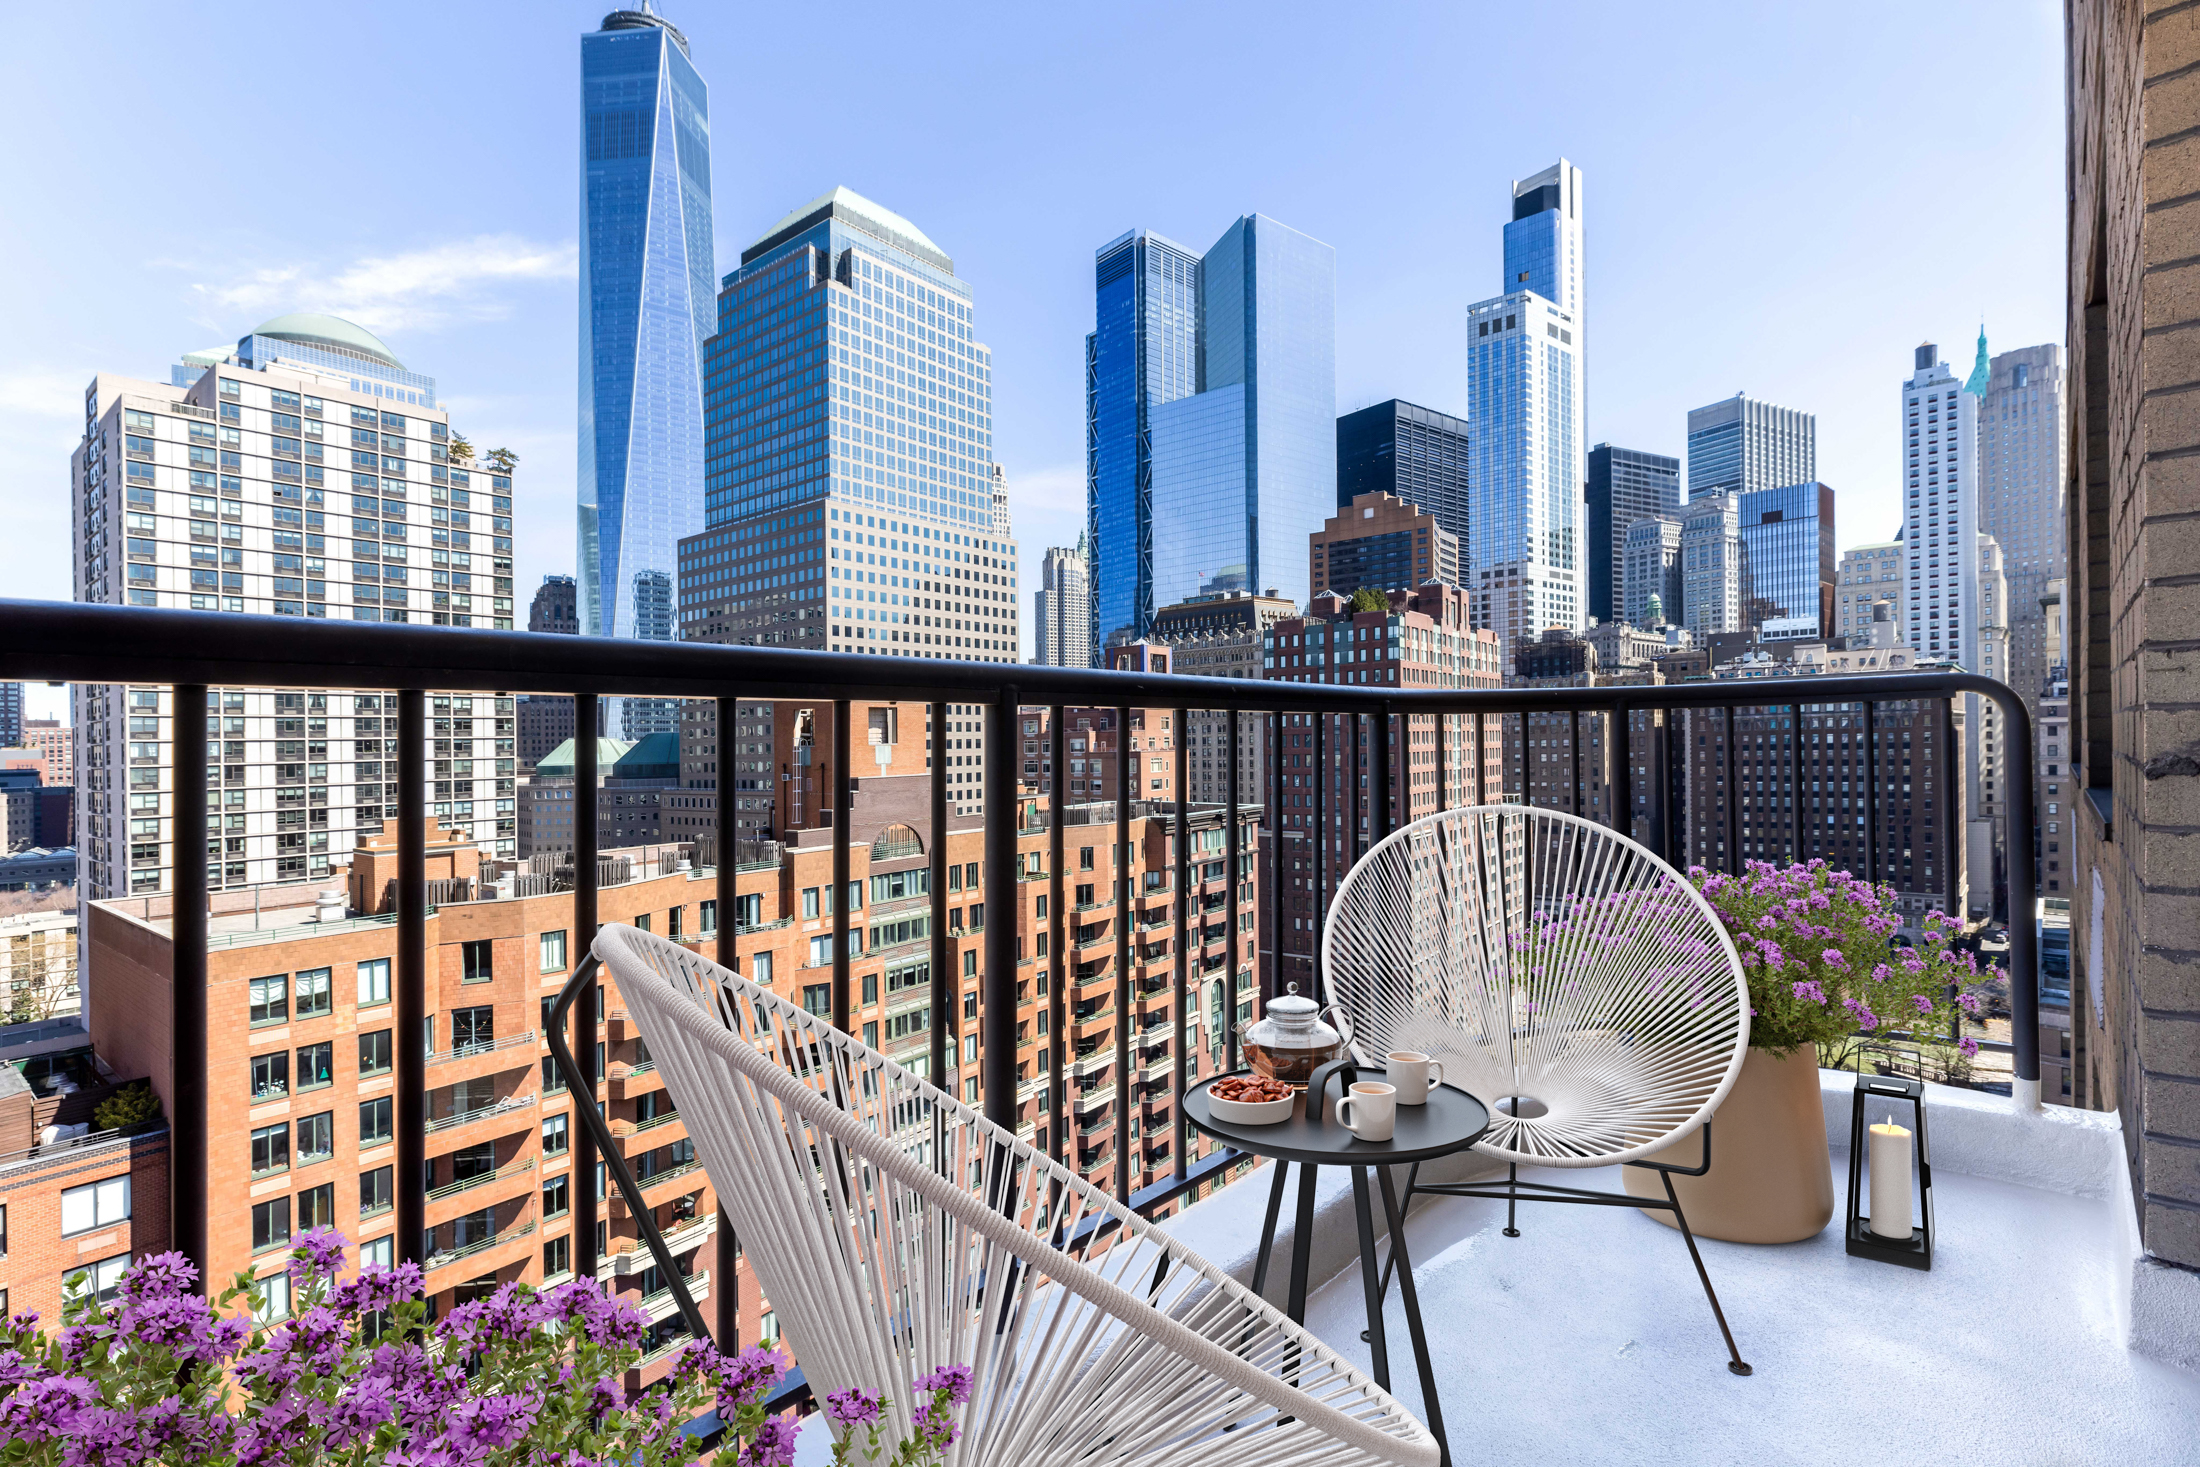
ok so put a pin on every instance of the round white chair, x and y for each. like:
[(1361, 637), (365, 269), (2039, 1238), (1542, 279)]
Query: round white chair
[(895, 1230), (1564, 975)]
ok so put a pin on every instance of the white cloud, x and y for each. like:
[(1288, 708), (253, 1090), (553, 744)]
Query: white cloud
[(418, 290)]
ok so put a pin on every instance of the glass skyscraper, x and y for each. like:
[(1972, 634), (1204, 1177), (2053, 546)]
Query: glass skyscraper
[(645, 310), (850, 490), (1744, 446), (1525, 396), (1788, 561), (1415, 453), (1210, 417)]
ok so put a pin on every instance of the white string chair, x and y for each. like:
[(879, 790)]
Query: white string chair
[(1563, 974), (896, 1230)]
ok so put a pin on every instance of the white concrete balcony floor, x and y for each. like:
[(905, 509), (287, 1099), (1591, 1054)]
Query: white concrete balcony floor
[(1587, 1339)]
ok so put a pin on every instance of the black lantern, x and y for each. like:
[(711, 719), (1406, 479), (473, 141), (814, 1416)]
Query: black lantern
[(1884, 1091)]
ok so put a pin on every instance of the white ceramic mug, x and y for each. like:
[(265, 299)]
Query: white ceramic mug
[(1369, 1110), (1414, 1073)]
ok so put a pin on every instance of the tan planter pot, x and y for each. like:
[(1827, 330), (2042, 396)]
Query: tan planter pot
[(1771, 1177)]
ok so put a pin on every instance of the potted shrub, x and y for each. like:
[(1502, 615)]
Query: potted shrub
[(1818, 947)]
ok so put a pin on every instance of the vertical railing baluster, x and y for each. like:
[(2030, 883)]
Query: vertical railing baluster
[(943, 980), (1953, 779), (1179, 758), (1265, 967), (1733, 803), (1657, 774), (1795, 778), (1230, 903), (409, 1081), (843, 801), (1573, 757), (1063, 961), (997, 1019), (1320, 903), (588, 1011), (1443, 762), (1871, 790), (1386, 798), (1124, 747), (1481, 775), (1358, 812), (2024, 937), (727, 1285), (1619, 777), (188, 1138)]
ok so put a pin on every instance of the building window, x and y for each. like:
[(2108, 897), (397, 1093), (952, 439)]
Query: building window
[(316, 1065), (374, 1053), (473, 1029), (101, 1280), (474, 961), (270, 1224), (553, 953), (378, 1253), (313, 993), (375, 1124), (317, 1207), (557, 1257), (270, 1076), (95, 1205), (818, 999), (377, 1194), (374, 982), (271, 1149), (557, 1196), (270, 998), (274, 1293), (556, 1135)]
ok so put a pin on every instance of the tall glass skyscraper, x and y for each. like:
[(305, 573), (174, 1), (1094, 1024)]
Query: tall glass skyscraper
[(1525, 397), (1788, 561), (645, 311), (1210, 417), (1416, 453), (1625, 485), (1745, 445)]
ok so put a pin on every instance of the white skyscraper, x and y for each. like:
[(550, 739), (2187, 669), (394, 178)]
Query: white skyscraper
[(1526, 394), (2022, 450), (1062, 609), (1940, 511), (1711, 565), (306, 473), (1745, 445)]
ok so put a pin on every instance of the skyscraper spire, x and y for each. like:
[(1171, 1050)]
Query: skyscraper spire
[(1982, 372)]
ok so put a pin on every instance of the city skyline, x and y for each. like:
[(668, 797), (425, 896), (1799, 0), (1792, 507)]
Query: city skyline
[(463, 283)]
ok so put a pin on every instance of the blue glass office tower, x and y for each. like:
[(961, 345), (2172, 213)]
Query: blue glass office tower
[(645, 310), (849, 404), (1788, 561), (1210, 418), (1143, 351), (1526, 395)]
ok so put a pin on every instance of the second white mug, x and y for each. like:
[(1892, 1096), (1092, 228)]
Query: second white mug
[(1413, 1073), (1369, 1110)]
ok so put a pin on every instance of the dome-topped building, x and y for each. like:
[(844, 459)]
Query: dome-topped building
[(331, 332), (335, 347)]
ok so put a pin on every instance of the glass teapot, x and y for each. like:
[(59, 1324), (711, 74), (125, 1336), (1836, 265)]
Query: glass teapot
[(1290, 1041)]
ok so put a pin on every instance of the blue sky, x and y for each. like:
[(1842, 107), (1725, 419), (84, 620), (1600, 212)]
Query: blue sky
[(1778, 199)]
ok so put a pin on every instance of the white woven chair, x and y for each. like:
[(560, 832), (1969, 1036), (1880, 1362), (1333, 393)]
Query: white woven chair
[(895, 1230), (1567, 977)]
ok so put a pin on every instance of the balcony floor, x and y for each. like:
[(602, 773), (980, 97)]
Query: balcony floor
[(1587, 1339)]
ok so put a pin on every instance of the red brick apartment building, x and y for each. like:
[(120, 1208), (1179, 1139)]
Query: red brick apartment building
[(299, 1065)]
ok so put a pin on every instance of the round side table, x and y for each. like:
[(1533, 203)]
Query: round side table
[(1313, 1138)]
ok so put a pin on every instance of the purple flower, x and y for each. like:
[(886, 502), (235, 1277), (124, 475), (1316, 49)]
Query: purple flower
[(1834, 958), (1971, 1004), (855, 1407), (1967, 1046), (935, 1427), (162, 1276), (1924, 1004), (953, 1379), (772, 1446), (1810, 992), (316, 1254), (1881, 972)]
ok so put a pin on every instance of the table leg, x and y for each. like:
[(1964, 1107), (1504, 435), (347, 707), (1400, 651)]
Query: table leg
[(1409, 1297), (1268, 1227), (1370, 1278), (1302, 1244)]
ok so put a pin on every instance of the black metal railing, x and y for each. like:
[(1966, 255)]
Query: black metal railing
[(194, 651)]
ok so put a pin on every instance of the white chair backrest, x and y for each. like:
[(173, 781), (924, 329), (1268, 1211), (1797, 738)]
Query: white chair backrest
[(1543, 957), (895, 1230)]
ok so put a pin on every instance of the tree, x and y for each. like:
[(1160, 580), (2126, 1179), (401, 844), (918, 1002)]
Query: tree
[(461, 451), (1367, 598), (132, 1105), (503, 460)]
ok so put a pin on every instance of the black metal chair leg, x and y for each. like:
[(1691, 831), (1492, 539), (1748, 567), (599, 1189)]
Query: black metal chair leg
[(1268, 1227), (1394, 1216), (1734, 1362), (1390, 1263), (1512, 1200)]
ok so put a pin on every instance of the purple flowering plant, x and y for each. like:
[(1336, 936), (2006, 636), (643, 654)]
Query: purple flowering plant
[(354, 1375), (933, 1423), (1818, 947)]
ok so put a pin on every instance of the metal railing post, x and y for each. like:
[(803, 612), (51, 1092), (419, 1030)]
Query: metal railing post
[(2024, 937), (1733, 802), (998, 1006), (943, 980), (1319, 905), (1184, 1067), (843, 801), (188, 1138), (1871, 791), (1122, 843), (1386, 798), (410, 1010), (1230, 904), (1061, 959), (727, 1286), (587, 874)]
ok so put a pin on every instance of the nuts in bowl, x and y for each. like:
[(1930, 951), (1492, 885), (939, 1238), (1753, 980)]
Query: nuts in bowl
[(1250, 1100)]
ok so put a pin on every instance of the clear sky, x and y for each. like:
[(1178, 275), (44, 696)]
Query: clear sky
[(1782, 199)]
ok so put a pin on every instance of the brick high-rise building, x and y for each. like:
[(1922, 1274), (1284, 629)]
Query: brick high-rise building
[(556, 607), (1383, 543)]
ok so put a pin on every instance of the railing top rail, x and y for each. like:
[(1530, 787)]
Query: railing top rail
[(71, 642)]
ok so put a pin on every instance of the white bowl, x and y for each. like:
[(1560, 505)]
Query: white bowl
[(1249, 1112)]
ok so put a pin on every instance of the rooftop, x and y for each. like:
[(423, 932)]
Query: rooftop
[(846, 203), (330, 331), (1587, 1340)]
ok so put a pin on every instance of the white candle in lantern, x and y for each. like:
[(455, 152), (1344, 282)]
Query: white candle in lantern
[(1890, 1167)]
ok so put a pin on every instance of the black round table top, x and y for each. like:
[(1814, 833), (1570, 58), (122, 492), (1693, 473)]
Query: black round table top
[(1452, 1120)]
